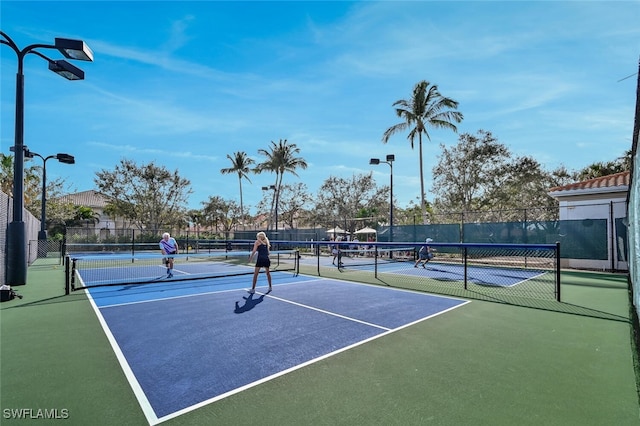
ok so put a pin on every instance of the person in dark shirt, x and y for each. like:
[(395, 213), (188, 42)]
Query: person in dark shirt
[(262, 247)]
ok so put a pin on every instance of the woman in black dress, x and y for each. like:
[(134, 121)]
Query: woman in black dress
[(261, 246)]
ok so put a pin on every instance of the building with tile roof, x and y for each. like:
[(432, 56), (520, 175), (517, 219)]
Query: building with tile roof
[(97, 201), (601, 200)]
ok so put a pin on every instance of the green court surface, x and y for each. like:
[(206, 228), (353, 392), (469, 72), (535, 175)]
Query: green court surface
[(511, 362)]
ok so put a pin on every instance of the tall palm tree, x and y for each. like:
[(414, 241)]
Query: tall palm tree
[(426, 108), (281, 158), (240, 165)]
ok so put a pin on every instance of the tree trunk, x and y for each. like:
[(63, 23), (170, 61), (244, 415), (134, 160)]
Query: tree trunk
[(422, 203)]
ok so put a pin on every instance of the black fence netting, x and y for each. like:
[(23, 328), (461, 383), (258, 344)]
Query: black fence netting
[(5, 218), (32, 225)]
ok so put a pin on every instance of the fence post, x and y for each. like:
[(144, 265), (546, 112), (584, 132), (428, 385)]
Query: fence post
[(558, 271), (464, 260), (67, 284)]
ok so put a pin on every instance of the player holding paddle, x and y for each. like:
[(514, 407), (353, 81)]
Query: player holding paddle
[(425, 254), (261, 246), (168, 246)]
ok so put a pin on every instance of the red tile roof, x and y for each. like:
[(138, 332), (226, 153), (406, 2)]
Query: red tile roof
[(617, 179), (89, 198)]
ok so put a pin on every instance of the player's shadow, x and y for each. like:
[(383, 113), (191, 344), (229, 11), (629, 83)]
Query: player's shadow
[(249, 304)]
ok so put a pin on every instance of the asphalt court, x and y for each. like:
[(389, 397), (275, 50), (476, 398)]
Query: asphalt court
[(186, 344)]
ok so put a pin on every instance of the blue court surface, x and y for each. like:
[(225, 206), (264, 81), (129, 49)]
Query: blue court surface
[(183, 345)]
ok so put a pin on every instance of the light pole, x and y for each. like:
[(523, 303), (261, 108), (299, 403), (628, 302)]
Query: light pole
[(390, 159), (275, 195), (61, 157), (16, 232)]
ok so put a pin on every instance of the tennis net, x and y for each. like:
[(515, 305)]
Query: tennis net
[(113, 269)]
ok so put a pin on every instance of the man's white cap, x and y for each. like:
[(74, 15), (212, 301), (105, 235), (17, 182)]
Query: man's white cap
[(428, 240)]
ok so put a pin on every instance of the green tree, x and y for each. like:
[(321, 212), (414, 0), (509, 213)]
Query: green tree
[(479, 175), (524, 184), (605, 168), (221, 214), (241, 165), (468, 171), (426, 108), (280, 159), (149, 195), (196, 217), (340, 200), (292, 202)]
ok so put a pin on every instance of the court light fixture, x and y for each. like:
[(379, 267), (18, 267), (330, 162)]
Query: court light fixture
[(74, 49), (63, 158), (16, 262), (66, 70), (390, 159)]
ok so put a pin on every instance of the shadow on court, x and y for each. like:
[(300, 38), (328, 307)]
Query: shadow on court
[(249, 304)]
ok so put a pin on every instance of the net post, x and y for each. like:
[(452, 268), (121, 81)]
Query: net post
[(375, 261), (72, 275), (297, 263), (67, 283), (558, 271)]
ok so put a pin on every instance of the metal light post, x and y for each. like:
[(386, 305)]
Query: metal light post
[(16, 230), (275, 194), (390, 159), (61, 157)]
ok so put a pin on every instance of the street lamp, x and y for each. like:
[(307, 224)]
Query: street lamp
[(16, 232), (275, 195), (61, 157), (390, 159)]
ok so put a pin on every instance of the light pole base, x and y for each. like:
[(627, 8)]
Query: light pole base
[(16, 254), (42, 244)]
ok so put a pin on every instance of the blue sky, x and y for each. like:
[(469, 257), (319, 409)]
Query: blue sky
[(184, 84)]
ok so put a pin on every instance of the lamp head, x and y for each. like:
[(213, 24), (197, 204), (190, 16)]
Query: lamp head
[(66, 70), (74, 49), (374, 161), (66, 158)]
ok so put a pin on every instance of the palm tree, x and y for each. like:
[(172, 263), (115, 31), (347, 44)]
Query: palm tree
[(240, 165), (426, 108), (280, 159)]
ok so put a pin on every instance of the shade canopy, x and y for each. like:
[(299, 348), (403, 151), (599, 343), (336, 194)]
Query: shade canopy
[(336, 230), (366, 230)]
